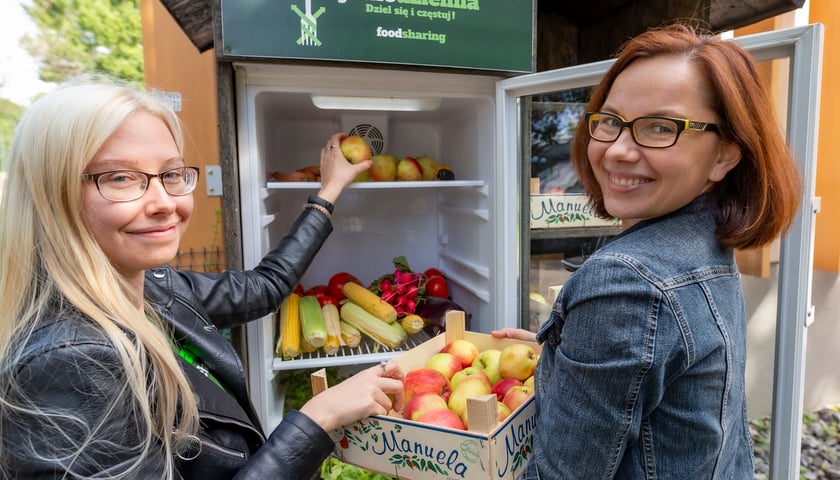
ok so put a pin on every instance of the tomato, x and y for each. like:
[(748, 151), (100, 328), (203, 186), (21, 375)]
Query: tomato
[(324, 298), (433, 272), (437, 287), (298, 289), (336, 284), (317, 289)]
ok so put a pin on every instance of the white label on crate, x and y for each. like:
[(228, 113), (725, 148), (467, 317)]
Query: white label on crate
[(564, 211)]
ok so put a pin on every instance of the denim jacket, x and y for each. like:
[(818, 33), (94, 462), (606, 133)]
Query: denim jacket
[(642, 370)]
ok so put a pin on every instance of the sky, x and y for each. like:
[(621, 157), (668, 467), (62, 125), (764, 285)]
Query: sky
[(18, 71)]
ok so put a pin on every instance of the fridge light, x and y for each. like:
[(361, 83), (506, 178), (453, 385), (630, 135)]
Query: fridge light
[(405, 104)]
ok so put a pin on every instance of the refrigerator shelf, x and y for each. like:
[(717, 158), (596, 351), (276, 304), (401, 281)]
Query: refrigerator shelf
[(368, 351), (378, 185)]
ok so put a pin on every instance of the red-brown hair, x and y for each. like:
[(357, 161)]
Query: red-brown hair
[(757, 200)]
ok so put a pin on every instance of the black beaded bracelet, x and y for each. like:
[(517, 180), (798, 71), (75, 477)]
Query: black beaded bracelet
[(316, 200)]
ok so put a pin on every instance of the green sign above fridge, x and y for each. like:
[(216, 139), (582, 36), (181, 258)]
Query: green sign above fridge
[(493, 35)]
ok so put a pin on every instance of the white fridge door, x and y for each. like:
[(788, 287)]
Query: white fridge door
[(800, 49)]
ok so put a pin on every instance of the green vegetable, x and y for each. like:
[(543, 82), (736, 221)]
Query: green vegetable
[(335, 469)]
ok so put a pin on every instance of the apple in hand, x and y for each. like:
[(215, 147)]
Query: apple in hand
[(355, 149), (442, 417), (471, 387), (445, 363), (409, 170), (384, 168), (423, 380), (428, 165), (467, 372), (501, 387), (516, 396), (421, 403), (464, 350), (517, 361), (488, 360)]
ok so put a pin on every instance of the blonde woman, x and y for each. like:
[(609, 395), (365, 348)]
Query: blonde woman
[(111, 364)]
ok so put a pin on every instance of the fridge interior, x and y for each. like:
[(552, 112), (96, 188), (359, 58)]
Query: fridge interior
[(443, 224)]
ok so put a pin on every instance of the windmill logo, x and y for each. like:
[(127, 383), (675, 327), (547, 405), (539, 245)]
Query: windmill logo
[(308, 25)]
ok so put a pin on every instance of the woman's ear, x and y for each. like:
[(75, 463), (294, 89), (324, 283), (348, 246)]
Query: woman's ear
[(728, 156)]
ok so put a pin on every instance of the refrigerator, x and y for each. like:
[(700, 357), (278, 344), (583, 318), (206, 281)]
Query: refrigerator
[(476, 228)]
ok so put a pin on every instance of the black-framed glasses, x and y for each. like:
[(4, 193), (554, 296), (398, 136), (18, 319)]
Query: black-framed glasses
[(650, 131), (128, 185)]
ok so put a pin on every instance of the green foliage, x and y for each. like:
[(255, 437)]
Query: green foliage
[(86, 36), (10, 114)]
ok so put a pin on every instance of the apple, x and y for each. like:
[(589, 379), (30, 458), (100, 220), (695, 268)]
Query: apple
[(421, 403), (384, 168), (362, 176), (516, 396), (409, 170), (464, 350), (442, 417), (355, 149), (465, 373), (422, 380), (488, 360), (428, 165), (445, 363), (471, 387), (503, 411), (501, 387), (517, 361), (529, 382)]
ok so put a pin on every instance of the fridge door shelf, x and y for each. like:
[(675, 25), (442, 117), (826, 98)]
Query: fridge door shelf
[(379, 185), (368, 351)]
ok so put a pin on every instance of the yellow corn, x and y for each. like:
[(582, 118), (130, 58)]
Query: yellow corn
[(312, 321), (306, 347), (412, 323), (370, 301), (331, 321), (288, 345), (351, 335), (389, 334)]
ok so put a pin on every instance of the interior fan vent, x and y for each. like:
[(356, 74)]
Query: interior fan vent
[(372, 135)]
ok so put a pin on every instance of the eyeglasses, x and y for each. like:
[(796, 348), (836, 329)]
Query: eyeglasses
[(128, 185), (651, 132)]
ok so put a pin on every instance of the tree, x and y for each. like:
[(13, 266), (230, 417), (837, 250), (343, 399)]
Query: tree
[(86, 36), (10, 113)]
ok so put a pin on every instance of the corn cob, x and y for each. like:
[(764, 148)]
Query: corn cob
[(389, 334), (351, 335), (312, 321), (370, 301), (331, 321), (412, 323), (288, 345), (306, 347)]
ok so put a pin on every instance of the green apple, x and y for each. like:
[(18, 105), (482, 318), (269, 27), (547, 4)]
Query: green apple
[(355, 149), (409, 170), (517, 361), (428, 165), (471, 387), (488, 360)]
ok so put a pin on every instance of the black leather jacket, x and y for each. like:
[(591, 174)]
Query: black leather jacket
[(61, 366)]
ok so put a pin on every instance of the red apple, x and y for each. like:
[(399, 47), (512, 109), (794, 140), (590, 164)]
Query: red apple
[(422, 380), (409, 170), (488, 360), (517, 361), (445, 363), (471, 387), (464, 350), (516, 396), (355, 149), (421, 403), (501, 387), (468, 372), (442, 417), (384, 168)]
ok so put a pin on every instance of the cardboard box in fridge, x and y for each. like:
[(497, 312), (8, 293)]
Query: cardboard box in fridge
[(407, 449)]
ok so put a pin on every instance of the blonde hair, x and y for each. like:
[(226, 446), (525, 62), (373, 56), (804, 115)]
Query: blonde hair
[(47, 253)]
